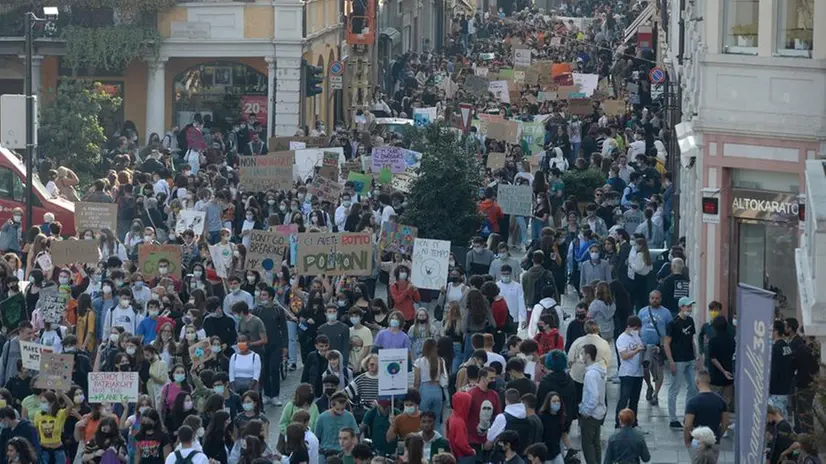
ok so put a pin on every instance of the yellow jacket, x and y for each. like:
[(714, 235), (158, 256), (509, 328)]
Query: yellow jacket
[(85, 332)]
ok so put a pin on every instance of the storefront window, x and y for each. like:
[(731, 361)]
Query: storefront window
[(225, 91), (765, 256), (795, 21), (741, 20)]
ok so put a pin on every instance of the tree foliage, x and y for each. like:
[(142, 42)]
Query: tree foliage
[(442, 201), (582, 184), (70, 132)]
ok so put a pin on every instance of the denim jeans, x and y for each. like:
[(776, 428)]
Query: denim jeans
[(432, 401), (48, 456), (536, 228), (522, 225), (685, 373), (575, 146), (468, 347), (458, 357), (630, 388), (292, 335)]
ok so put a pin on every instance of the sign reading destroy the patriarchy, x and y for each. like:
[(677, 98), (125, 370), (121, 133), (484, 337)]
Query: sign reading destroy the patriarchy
[(334, 254)]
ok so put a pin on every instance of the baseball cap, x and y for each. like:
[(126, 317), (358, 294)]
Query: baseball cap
[(686, 301)]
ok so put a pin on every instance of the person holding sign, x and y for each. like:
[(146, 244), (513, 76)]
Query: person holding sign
[(49, 424)]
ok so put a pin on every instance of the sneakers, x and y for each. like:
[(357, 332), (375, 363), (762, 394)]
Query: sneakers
[(649, 394), (293, 367), (276, 402), (675, 425)]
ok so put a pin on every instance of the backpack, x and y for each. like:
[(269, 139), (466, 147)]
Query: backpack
[(550, 311), (180, 459), (522, 427), (183, 146), (544, 280), (486, 229)]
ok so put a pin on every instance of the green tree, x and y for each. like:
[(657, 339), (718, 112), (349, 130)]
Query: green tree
[(70, 132), (442, 201)]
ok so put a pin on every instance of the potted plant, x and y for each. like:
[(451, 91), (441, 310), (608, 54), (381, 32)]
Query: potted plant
[(799, 39), (746, 34)]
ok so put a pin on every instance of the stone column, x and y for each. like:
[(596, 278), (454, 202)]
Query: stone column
[(270, 95), (156, 98), (288, 53)]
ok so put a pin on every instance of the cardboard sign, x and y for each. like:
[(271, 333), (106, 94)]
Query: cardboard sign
[(361, 182), (614, 107), (476, 85), (516, 200), (522, 57), (44, 261), (391, 157), (13, 311), (506, 131), (403, 182), (334, 254), (74, 251), (30, 353), (307, 160), (580, 107), (496, 161), (266, 251), (221, 256), (113, 387), (96, 216), (150, 255), (430, 263), (329, 165), (283, 143), (201, 352), (325, 189), (424, 116), (350, 166), (532, 76), (396, 237), (262, 173), (55, 371), (499, 89), (481, 71), (190, 220), (52, 308), (546, 96)]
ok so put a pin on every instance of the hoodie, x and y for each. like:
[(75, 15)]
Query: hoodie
[(562, 384), (457, 426), (593, 392), (516, 410), (493, 212)]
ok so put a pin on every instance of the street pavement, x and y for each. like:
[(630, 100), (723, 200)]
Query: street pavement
[(665, 444)]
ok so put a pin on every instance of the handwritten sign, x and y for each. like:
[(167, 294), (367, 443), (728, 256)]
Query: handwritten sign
[(96, 216), (477, 85), (499, 89), (201, 352), (424, 116), (266, 250), (580, 107), (334, 254), (55, 371), (272, 171), (361, 182), (522, 57), (404, 182), (325, 189), (329, 165), (30, 353), (430, 263), (150, 255), (392, 157), (286, 143), (190, 220), (506, 131), (614, 107), (53, 308), (496, 161), (74, 251), (113, 387), (221, 258), (396, 237), (515, 199)]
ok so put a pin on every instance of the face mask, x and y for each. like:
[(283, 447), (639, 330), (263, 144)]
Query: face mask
[(119, 282), (635, 333), (714, 314), (251, 279), (44, 406), (695, 443), (79, 398), (179, 378), (63, 280), (329, 391), (114, 338), (148, 238), (124, 302), (331, 317), (18, 218), (106, 289), (153, 313), (163, 270), (345, 204), (403, 276), (250, 217), (257, 294), (219, 389), (355, 320), (216, 348), (506, 279), (555, 407), (187, 405), (130, 351), (342, 304), (190, 337), (394, 323), (410, 410), (594, 256), (282, 208), (236, 290), (197, 273), (248, 407)]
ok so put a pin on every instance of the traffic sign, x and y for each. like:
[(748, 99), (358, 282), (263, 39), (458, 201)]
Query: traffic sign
[(337, 68), (464, 110), (656, 75), (336, 71)]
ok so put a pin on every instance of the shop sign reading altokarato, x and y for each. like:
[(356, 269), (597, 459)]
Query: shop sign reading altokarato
[(765, 206)]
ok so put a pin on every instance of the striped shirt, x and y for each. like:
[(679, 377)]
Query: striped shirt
[(363, 390)]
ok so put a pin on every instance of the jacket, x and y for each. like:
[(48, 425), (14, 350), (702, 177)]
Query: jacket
[(222, 327), (593, 393), (10, 236), (626, 445), (403, 300), (24, 429), (561, 383), (492, 212), (500, 422), (313, 372), (604, 355), (603, 314), (85, 330), (457, 426), (529, 279), (8, 360), (590, 271)]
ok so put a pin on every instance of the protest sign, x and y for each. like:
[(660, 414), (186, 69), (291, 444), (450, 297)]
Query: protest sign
[(329, 165), (13, 311), (518, 77), (392, 157), (477, 85), (533, 134), (74, 251), (496, 161), (55, 371), (190, 220), (30, 353), (325, 189), (201, 352), (44, 261), (96, 216), (307, 160), (221, 258), (515, 199), (396, 237), (499, 89), (430, 263), (532, 76), (361, 182), (587, 83), (296, 143), (424, 116), (393, 371), (522, 57), (614, 107), (404, 181), (271, 171), (506, 131), (505, 74), (480, 71), (113, 387), (52, 307), (266, 250), (544, 96), (150, 255), (350, 166), (579, 107), (334, 254)]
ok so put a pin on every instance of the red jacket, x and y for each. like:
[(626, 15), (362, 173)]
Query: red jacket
[(549, 341), (494, 213), (456, 426), (499, 308), (403, 299)]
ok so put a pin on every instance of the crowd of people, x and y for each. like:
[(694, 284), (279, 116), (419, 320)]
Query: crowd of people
[(500, 371)]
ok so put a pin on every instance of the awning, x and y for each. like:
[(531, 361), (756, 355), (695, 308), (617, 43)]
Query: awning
[(390, 33), (645, 15), (465, 4)]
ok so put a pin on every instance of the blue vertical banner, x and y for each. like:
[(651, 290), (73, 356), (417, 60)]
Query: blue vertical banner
[(755, 313)]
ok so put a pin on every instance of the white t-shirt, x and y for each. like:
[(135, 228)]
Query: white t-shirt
[(312, 446), (199, 458), (423, 365), (631, 367), (495, 357)]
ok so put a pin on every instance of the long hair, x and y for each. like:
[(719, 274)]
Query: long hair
[(646, 255), (414, 444), (546, 406), (294, 440), (24, 449), (603, 293), (303, 395), (453, 318), (429, 351), (215, 430), (476, 307)]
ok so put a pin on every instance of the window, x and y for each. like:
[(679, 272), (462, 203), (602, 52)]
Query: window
[(741, 22), (6, 185), (795, 20)]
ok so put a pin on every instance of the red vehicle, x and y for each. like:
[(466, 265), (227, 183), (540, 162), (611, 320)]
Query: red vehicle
[(13, 195)]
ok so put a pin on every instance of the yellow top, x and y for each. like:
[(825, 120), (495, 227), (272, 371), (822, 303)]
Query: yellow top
[(50, 428)]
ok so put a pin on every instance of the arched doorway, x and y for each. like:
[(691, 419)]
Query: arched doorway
[(227, 91)]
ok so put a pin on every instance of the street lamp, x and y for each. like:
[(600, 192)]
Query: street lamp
[(50, 13)]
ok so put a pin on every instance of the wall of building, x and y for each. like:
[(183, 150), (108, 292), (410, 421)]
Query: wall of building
[(324, 33)]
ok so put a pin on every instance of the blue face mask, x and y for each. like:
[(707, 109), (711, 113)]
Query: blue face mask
[(695, 443), (555, 407), (394, 323)]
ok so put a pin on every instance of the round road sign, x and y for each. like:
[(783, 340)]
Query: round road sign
[(656, 75), (336, 68)]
